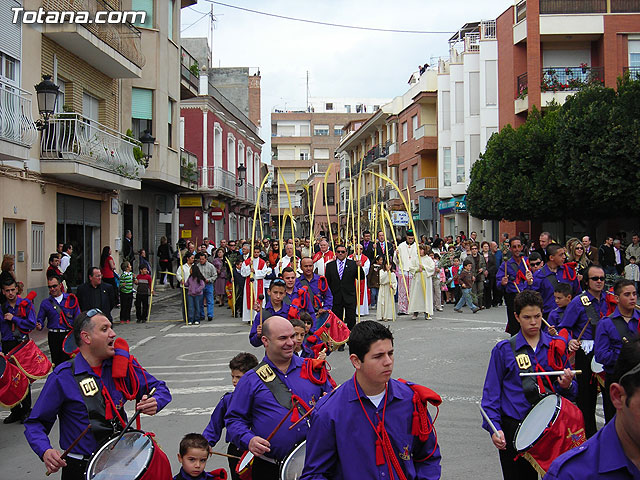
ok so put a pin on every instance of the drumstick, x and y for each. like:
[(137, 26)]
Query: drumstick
[(294, 405), (542, 374), (486, 417), (131, 420), (73, 444), (302, 418), (583, 330), (225, 455), (260, 297)]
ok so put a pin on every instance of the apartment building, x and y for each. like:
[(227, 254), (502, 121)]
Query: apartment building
[(400, 141), (228, 150), (547, 49), (467, 117), (304, 140)]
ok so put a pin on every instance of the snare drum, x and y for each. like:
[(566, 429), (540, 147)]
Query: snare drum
[(135, 457), (69, 345), (14, 385), (30, 359), (291, 467), (553, 426)]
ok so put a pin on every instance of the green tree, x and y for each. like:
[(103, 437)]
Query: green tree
[(514, 179)]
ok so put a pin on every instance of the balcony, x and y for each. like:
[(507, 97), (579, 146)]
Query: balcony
[(188, 169), (521, 103), (17, 130), (625, 6), (217, 180), (189, 75), (426, 138), (558, 79), (427, 183), (77, 149), (634, 72), (114, 49), (251, 194), (564, 7)]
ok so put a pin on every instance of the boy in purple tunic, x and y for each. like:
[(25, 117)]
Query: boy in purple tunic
[(365, 428)]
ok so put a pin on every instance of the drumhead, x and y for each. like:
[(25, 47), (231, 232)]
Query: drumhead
[(596, 367), (536, 421), (128, 461), (69, 344), (291, 468)]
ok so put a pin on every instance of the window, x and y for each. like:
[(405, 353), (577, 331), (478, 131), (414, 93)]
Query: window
[(414, 174), (286, 153), (405, 133), (331, 195), (286, 130), (337, 130), (10, 33), (321, 130), (241, 160), (376, 108), (446, 110), (321, 153), (405, 178), (634, 53), (9, 238), (141, 111), (61, 96), (491, 82), (460, 162), (171, 4), (474, 93), (491, 131), (347, 108), (147, 6), (414, 124), (231, 153), (9, 68), (90, 107), (37, 246), (459, 99), (304, 154), (328, 106), (474, 147), (169, 127), (446, 167), (304, 130)]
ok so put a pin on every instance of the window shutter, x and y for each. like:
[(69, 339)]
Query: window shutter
[(10, 33), (144, 5), (142, 103)]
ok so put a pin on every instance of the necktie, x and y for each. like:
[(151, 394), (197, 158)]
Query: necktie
[(340, 269), (382, 245)]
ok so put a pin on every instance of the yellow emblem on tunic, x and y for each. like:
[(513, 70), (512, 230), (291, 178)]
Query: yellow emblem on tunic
[(266, 374), (585, 301), (524, 362), (89, 387), (405, 455)]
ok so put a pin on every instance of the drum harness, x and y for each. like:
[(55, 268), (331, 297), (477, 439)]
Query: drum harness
[(68, 305), (533, 387)]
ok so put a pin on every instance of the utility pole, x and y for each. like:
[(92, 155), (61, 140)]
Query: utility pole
[(212, 19)]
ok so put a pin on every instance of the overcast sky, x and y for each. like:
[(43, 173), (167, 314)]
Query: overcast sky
[(341, 62)]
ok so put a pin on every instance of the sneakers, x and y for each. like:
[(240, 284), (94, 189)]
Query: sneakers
[(209, 319), (198, 323), (414, 316), (189, 323), (427, 316), (476, 310), (13, 417), (457, 310), (440, 309)]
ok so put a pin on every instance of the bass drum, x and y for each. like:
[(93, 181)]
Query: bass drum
[(135, 457), (291, 467), (69, 345)]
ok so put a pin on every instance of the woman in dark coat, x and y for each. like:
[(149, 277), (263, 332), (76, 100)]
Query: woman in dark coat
[(221, 282)]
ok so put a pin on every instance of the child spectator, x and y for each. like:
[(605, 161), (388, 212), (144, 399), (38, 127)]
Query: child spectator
[(126, 292), (193, 456), (466, 280), (454, 285), (143, 280), (563, 294), (195, 286), (239, 365), (373, 280), (632, 272)]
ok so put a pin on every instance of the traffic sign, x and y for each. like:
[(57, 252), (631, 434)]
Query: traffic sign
[(400, 219), (216, 214)]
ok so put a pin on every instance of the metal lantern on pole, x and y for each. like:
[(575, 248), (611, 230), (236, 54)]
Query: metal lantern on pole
[(47, 94), (147, 146)]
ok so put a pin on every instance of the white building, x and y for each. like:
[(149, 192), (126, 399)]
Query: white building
[(467, 117)]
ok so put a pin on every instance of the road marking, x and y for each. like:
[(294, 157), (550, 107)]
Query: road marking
[(204, 334), (216, 325), (142, 342), (183, 411), (199, 377), (167, 328), (195, 390), (461, 319), (447, 398), (196, 380), (204, 365)]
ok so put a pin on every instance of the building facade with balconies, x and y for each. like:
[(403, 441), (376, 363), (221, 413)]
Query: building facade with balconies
[(304, 141), (468, 116), (63, 184), (222, 139), (548, 49)]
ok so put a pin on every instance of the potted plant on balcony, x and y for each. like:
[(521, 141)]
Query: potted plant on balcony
[(137, 150), (195, 69)]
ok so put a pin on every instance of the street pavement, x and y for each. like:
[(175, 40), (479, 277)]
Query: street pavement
[(448, 354)]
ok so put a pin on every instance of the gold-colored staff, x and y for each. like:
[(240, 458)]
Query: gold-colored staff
[(184, 291), (253, 238), (326, 206), (386, 251), (395, 240)]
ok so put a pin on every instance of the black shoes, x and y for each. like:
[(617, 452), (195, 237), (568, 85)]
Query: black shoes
[(16, 416)]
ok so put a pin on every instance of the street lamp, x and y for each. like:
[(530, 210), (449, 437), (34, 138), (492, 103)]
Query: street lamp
[(147, 146), (242, 173), (47, 93)]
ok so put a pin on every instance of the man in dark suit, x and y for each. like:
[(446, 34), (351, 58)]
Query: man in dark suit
[(545, 240), (341, 275), (96, 294), (590, 251), (382, 246), (368, 247), (607, 256)]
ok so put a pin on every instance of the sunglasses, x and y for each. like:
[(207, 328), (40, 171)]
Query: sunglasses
[(341, 251), (93, 312), (53, 286), (633, 371), (278, 281), (536, 264), (598, 279), (579, 248)]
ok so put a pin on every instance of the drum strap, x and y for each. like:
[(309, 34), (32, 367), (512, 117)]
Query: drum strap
[(276, 386), (529, 385), (96, 405), (59, 311), (553, 280), (623, 329), (590, 310)]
